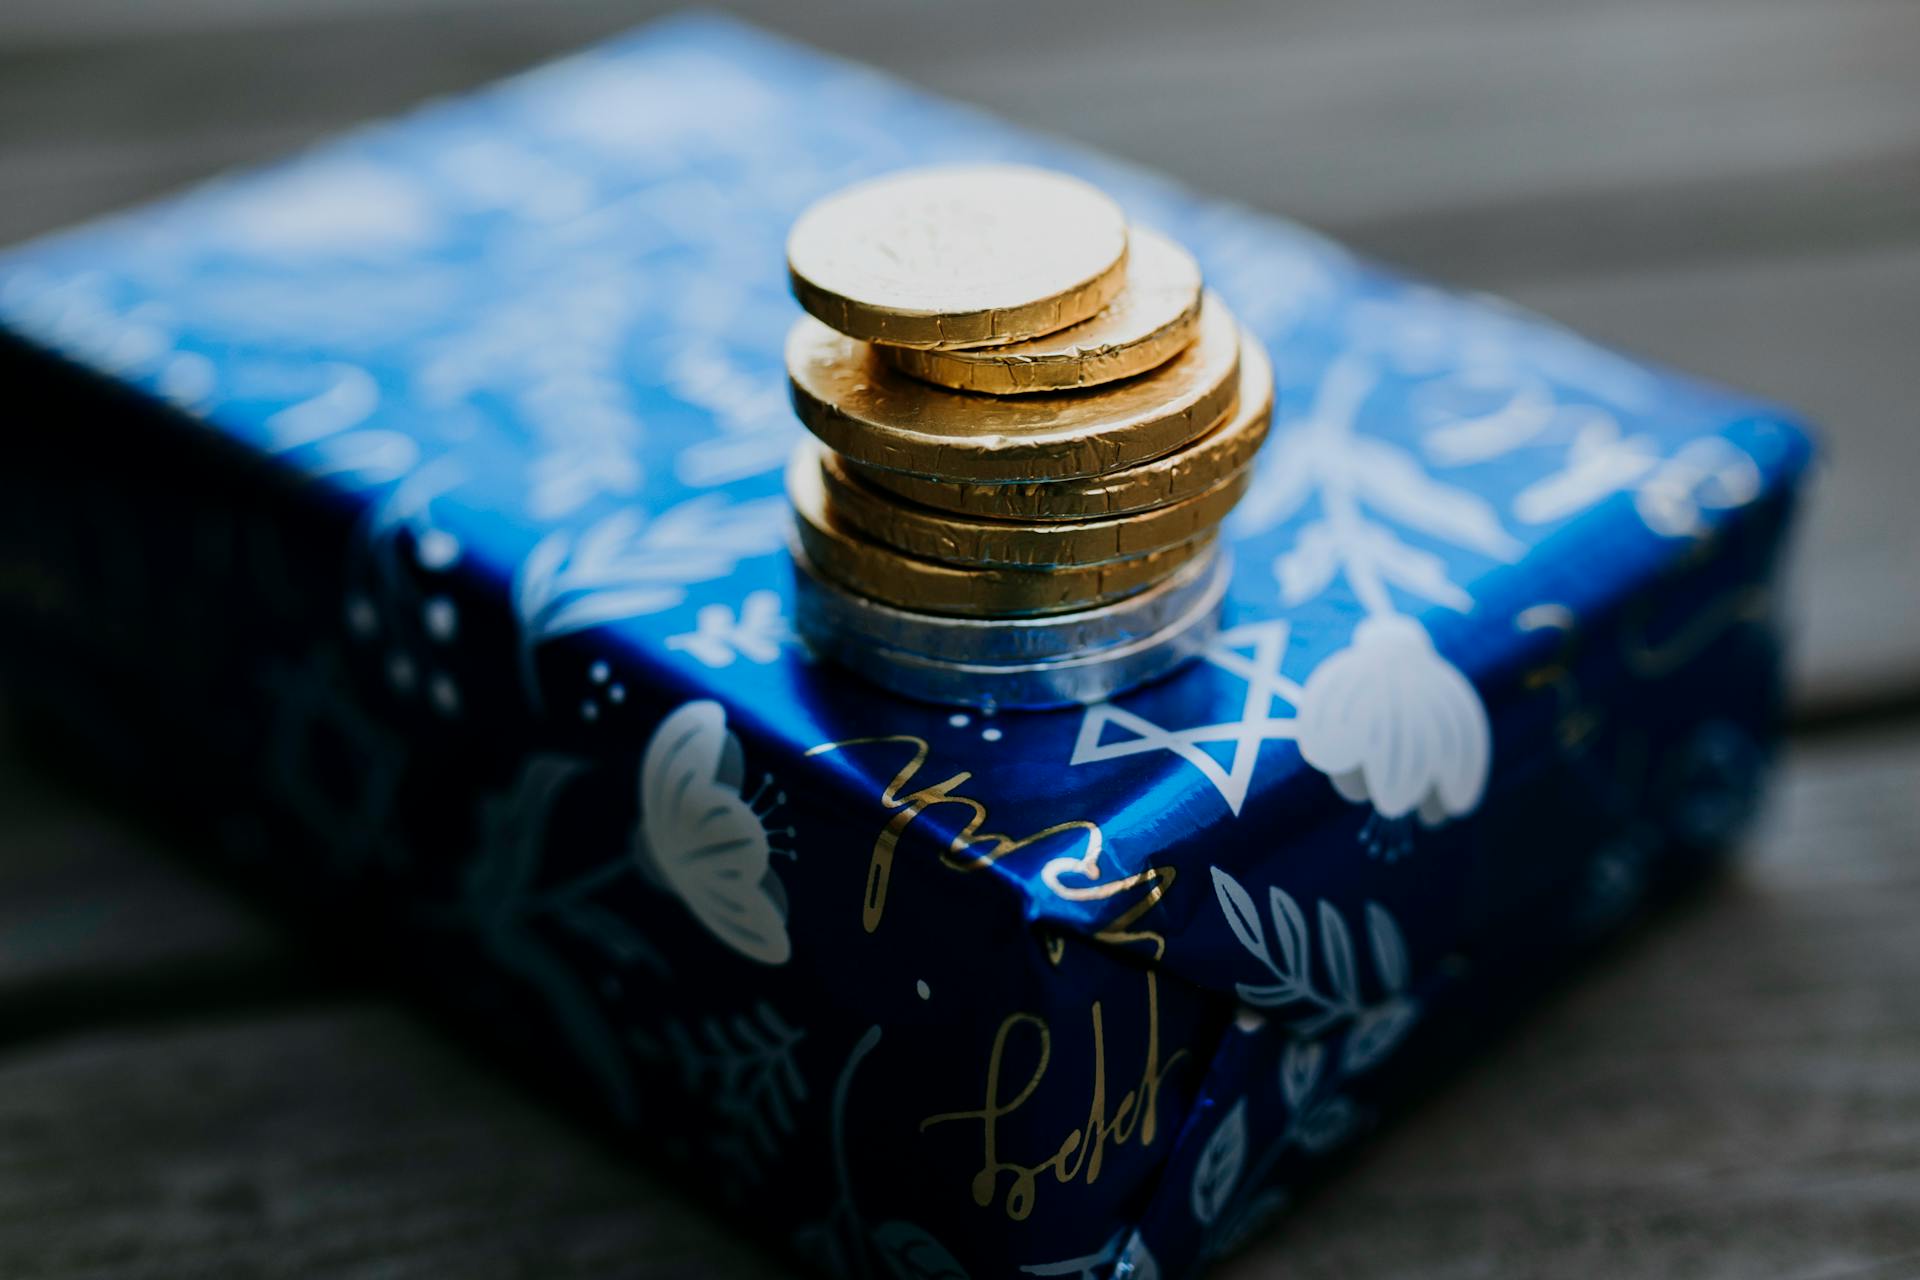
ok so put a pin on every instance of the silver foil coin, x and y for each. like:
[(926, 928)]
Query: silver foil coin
[(824, 607), (1040, 665)]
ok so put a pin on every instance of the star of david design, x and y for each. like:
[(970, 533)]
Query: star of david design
[(1251, 651)]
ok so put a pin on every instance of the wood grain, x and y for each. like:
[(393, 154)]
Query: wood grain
[(1465, 137), (332, 1141)]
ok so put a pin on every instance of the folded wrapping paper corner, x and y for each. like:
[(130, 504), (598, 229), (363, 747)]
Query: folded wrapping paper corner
[(456, 558)]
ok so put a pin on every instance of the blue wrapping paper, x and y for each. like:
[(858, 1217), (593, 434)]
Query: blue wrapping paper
[(412, 511)]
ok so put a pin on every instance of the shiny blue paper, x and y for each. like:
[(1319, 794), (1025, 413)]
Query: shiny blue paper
[(412, 511)]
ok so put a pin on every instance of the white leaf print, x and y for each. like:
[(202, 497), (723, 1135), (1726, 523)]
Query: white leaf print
[(1267, 996), (1221, 1160), (1300, 1066), (718, 637), (608, 606), (1709, 473), (1286, 480), (1600, 462), (1377, 1031), (1336, 947), (349, 399), (1411, 569), (1389, 949), (1394, 484), (744, 1067), (600, 546), (564, 480), (1523, 416), (1365, 486), (1242, 916), (1327, 1125), (1290, 926), (537, 572), (622, 566), (1307, 568), (372, 458)]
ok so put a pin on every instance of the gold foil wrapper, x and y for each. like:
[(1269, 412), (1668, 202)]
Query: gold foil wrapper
[(1171, 478), (1154, 318), (1028, 422), (862, 407), (959, 256), (884, 574), (975, 540)]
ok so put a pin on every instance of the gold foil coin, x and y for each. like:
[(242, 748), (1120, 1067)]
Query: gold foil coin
[(926, 586), (974, 540), (862, 407), (1151, 321), (1171, 478), (959, 256)]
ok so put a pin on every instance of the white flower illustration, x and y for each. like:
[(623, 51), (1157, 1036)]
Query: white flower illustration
[(1393, 723), (701, 841), (1390, 721)]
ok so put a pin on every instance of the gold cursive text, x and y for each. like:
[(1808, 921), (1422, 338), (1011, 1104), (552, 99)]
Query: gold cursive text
[(1134, 1114)]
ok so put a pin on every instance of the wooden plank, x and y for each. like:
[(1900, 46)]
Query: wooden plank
[(1832, 333), (1732, 1094), (345, 1141), (1470, 138), (1374, 119)]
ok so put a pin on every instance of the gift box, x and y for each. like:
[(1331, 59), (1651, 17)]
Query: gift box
[(411, 513)]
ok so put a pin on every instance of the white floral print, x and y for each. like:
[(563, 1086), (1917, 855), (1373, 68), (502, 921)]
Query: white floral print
[(701, 841), (1395, 725)]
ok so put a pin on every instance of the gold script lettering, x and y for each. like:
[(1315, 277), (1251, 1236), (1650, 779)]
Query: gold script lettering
[(969, 850), (1081, 1151)]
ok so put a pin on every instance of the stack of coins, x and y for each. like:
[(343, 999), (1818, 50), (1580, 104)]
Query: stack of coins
[(1029, 419)]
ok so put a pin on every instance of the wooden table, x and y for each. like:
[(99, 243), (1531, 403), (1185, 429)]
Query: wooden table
[(1730, 187)]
